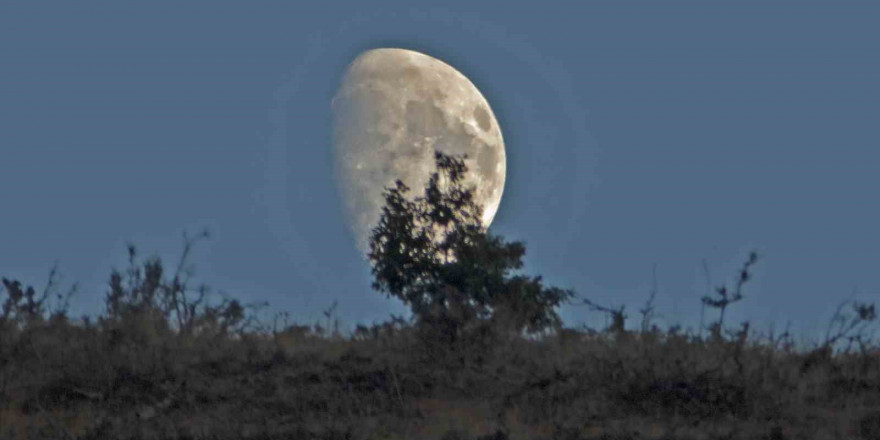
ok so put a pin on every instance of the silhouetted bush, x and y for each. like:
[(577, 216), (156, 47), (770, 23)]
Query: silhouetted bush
[(434, 254)]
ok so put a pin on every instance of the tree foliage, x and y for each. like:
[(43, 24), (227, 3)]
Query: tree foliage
[(434, 254)]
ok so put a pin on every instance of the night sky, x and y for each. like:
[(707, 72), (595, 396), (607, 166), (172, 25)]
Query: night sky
[(638, 135)]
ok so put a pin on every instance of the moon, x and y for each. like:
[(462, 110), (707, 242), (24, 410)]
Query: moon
[(394, 108)]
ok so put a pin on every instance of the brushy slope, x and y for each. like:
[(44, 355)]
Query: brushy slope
[(163, 361)]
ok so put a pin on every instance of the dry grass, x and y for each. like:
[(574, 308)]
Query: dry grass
[(573, 386), (144, 371)]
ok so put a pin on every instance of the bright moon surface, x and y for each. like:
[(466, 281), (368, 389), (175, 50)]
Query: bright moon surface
[(393, 110)]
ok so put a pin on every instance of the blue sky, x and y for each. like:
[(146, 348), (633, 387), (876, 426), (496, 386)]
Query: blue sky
[(637, 134)]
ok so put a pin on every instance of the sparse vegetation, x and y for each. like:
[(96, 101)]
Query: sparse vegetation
[(166, 360)]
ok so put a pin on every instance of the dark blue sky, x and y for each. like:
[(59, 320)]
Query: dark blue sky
[(636, 133)]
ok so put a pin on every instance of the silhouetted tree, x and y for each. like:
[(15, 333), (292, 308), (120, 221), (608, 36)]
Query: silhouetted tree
[(434, 254)]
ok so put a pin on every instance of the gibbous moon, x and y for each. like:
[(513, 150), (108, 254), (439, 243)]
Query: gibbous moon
[(393, 110)]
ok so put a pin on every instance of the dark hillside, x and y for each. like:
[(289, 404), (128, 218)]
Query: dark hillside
[(132, 373), (485, 356)]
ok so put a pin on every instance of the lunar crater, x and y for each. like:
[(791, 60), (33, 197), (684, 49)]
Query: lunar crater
[(482, 118)]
